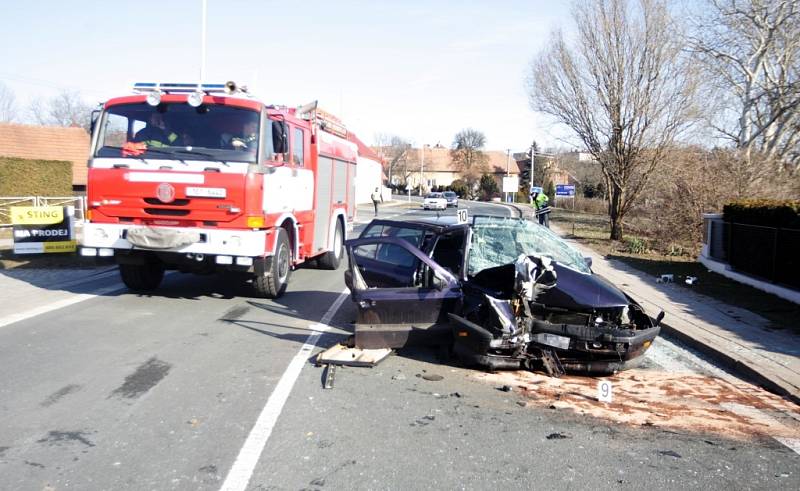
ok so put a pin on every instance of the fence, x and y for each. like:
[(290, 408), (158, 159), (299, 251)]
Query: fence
[(79, 202), (767, 252)]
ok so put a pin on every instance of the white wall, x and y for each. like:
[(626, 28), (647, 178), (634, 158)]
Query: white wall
[(369, 175)]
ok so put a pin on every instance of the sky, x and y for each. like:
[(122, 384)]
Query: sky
[(421, 70)]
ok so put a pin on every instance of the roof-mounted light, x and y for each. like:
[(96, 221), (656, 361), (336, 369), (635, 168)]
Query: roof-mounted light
[(195, 98), (154, 98)]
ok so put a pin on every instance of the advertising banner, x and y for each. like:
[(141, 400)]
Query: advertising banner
[(42, 229)]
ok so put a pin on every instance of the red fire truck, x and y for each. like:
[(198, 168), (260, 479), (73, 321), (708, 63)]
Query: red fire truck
[(206, 178)]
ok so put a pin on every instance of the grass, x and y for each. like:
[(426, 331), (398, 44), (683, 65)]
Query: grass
[(593, 230)]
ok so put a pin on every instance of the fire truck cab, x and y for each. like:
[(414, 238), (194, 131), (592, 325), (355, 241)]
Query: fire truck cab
[(206, 178)]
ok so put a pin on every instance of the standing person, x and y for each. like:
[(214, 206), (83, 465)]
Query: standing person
[(542, 204), (376, 198)]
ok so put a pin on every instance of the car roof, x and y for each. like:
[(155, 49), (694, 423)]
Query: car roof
[(437, 224)]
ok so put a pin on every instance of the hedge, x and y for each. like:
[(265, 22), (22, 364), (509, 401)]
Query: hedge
[(23, 177), (764, 212)]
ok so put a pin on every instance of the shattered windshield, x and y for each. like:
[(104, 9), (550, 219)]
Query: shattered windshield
[(497, 241), (179, 131)]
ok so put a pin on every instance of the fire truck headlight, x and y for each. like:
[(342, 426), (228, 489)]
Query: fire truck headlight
[(255, 222), (154, 98), (195, 99)]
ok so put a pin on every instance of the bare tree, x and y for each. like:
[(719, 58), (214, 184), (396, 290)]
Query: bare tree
[(751, 51), (396, 152), (467, 155), (8, 105), (623, 88), (65, 109)]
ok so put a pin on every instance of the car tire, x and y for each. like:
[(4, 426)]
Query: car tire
[(332, 259), (272, 283), (142, 277)]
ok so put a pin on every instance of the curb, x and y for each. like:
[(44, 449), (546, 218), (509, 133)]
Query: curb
[(728, 361)]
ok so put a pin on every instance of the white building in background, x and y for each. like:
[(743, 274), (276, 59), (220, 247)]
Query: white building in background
[(369, 172)]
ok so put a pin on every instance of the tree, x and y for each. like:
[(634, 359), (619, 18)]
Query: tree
[(8, 105), (396, 152), (65, 109), (750, 51), (488, 187), (624, 88), (467, 154)]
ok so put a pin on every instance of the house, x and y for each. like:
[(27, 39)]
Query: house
[(48, 143), (369, 170), (434, 166)]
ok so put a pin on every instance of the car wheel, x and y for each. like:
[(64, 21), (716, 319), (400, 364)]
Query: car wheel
[(331, 259), (272, 283), (142, 277)]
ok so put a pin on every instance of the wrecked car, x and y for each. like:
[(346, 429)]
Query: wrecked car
[(504, 293)]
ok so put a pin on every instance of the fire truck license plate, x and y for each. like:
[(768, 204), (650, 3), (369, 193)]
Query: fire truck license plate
[(205, 192)]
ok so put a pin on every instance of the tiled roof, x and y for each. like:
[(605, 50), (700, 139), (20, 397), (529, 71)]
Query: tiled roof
[(363, 150), (47, 143), (437, 159)]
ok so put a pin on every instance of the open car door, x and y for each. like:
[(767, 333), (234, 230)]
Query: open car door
[(402, 295)]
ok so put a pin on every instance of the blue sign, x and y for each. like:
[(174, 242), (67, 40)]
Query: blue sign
[(565, 190), (536, 189)]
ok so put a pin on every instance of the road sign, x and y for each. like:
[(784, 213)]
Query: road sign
[(536, 189), (510, 184), (462, 215), (567, 190), (41, 229)]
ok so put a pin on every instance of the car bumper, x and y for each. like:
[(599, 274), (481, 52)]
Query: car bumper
[(212, 241), (581, 349)]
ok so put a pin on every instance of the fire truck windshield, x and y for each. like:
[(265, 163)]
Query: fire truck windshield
[(179, 131)]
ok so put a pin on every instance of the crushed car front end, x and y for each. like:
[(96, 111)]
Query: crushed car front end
[(544, 308)]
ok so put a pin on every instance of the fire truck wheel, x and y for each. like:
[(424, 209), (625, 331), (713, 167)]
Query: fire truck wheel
[(142, 277), (272, 283), (331, 259)]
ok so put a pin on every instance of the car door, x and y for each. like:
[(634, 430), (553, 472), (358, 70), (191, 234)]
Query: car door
[(402, 295)]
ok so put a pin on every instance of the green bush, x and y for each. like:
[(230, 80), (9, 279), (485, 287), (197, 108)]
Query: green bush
[(636, 245), (764, 212), (23, 177)]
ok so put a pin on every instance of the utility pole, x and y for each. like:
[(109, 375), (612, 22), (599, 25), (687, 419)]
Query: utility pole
[(203, 42), (421, 167), (533, 157)]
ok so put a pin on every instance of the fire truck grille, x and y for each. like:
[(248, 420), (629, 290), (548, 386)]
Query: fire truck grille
[(166, 212), (177, 202)]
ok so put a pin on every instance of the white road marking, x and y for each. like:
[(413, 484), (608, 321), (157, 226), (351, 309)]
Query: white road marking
[(242, 469), (60, 304), (744, 410)]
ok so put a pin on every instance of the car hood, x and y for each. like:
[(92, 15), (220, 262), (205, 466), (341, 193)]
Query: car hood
[(579, 291)]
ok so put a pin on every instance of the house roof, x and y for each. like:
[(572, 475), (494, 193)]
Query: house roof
[(363, 149), (437, 159), (47, 143)]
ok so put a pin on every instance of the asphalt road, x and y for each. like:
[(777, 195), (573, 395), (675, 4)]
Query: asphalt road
[(125, 391)]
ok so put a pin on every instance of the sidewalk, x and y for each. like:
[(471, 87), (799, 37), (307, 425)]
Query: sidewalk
[(736, 338)]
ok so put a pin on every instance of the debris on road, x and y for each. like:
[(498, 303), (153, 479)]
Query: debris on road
[(675, 400), (340, 354)]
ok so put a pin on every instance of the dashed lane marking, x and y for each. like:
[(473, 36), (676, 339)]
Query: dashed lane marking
[(242, 469)]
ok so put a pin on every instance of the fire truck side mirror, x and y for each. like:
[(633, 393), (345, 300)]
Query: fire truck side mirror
[(95, 116), (280, 137)]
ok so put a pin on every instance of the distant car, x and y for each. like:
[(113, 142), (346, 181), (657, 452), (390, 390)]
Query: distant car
[(434, 201), (451, 197), (505, 293)]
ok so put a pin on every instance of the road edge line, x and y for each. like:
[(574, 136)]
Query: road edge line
[(243, 467), (59, 304)]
